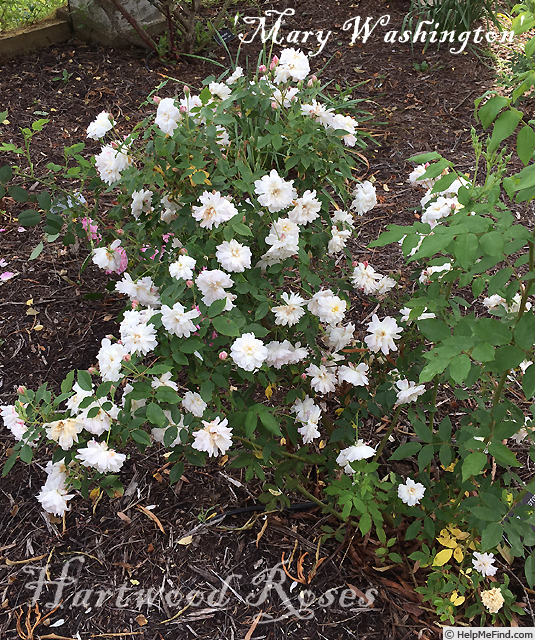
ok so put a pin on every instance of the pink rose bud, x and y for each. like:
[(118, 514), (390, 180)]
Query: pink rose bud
[(303, 376), (183, 109), (262, 68), (189, 284), (310, 83), (214, 335), (156, 99), (244, 218), (324, 359), (127, 357), (314, 78), (92, 371), (119, 232), (135, 304), (187, 90), (21, 389), (223, 355), (183, 251), (354, 263), (274, 61), (274, 105)]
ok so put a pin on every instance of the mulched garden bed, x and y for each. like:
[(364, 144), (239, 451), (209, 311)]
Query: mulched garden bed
[(155, 561)]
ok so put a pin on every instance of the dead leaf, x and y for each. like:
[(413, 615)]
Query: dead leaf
[(124, 517), (185, 541), (141, 620), (261, 533), (249, 634), (151, 515)]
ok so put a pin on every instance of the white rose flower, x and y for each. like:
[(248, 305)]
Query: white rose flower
[(182, 269), (248, 352), (411, 492), (212, 285), (178, 321), (215, 438), (233, 256), (97, 455), (358, 451), (167, 116), (275, 193), (193, 403), (382, 334), (365, 198), (100, 126)]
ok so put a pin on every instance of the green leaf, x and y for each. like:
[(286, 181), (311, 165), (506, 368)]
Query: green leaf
[(508, 357), (406, 450), (529, 570), (483, 352), (37, 251), (504, 126), (499, 280), (425, 157), (216, 308), (473, 464), (176, 472), (504, 456), (365, 523), (465, 249), (6, 172), (492, 536), (460, 367), (488, 112), (29, 218), (84, 380), (226, 326), (166, 394), (242, 229), (434, 329), (155, 415), (66, 385), (251, 420), (44, 200), (528, 382), (492, 243), (18, 193), (525, 144), (525, 330), (270, 422), (26, 453), (141, 436)]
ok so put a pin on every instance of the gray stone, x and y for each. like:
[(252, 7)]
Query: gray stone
[(99, 21)]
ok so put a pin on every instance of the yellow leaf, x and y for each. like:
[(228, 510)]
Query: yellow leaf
[(38, 327), (442, 557), (447, 542), (269, 390), (134, 582), (6, 121), (185, 541), (450, 467), (456, 599), (339, 411), (29, 302), (223, 461), (275, 492), (458, 554)]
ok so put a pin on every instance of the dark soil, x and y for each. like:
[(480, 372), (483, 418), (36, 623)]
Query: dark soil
[(125, 573)]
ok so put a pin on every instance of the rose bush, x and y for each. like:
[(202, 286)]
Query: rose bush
[(246, 331)]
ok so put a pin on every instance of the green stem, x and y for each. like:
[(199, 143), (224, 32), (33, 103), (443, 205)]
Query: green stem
[(387, 435), (321, 504)]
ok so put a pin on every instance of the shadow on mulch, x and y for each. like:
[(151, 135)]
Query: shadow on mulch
[(158, 563)]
